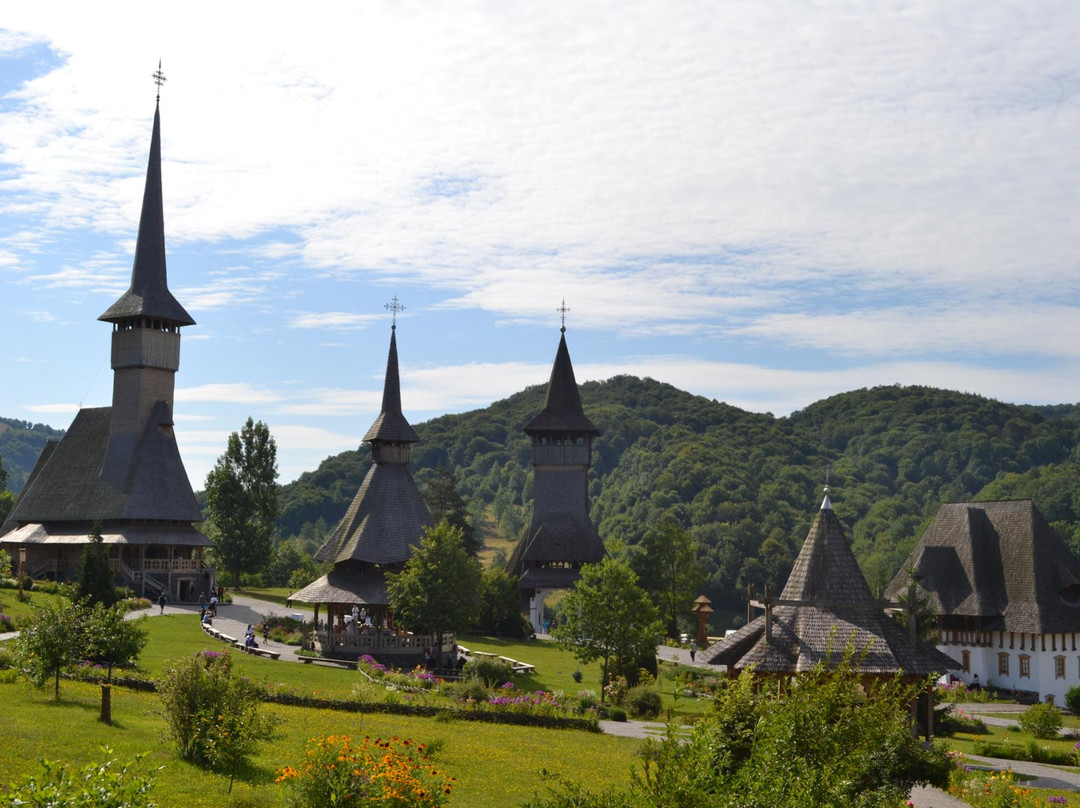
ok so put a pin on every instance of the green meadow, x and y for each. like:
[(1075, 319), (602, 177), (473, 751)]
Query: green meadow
[(495, 765)]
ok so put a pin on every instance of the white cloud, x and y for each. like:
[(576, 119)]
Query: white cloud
[(226, 393), (333, 320)]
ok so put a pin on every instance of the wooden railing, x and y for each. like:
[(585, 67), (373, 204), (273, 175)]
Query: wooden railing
[(370, 641)]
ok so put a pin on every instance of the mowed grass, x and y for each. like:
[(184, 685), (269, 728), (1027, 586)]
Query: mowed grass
[(35, 602), (494, 765)]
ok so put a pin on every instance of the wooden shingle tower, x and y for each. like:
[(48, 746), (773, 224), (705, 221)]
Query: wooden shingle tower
[(560, 537), (376, 536), (120, 466)]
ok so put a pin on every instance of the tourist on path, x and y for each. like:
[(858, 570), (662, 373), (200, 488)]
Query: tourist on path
[(693, 649), (162, 600)]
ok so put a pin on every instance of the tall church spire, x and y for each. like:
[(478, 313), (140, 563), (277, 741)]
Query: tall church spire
[(149, 295), (391, 425)]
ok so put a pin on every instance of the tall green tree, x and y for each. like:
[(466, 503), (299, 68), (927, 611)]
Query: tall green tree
[(52, 642), (668, 569), (97, 583), (500, 598), (439, 589), (242, 493), (610, 618), (442, 493)]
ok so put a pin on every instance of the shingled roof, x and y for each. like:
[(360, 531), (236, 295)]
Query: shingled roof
[(825, 605), (391, 424), (67, 484), (562, 410), (366, 586), (149, 295), (999, 561), (384, 522)]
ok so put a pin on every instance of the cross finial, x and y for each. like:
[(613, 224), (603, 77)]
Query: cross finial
[(828, 471), (394, 307), (159, 79), (562, 310)]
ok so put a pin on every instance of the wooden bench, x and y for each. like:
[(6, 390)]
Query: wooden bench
[(329, 663), (264, 652), (519, 667), (226, 638)]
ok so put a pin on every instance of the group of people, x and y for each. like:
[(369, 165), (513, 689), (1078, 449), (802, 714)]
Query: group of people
[(208, 612)]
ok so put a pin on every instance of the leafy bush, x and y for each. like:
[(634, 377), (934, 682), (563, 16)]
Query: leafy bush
[(617, 714), (97, 785), (587, 700), (467, 690), (1028, 751), (212, 714), (6, 623), (1072, 699), (643, 701), (982, 789), (1041, 720), (489, 670), (283, 629), (576, 676), (390, 773)]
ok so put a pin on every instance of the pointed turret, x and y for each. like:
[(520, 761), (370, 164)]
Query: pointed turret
[(391, 425), (562, 410), (149, 295)]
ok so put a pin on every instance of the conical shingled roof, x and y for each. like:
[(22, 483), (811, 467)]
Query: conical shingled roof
[(562, 410), (149, 295), (826, 604), (826, 570), (391, 425)]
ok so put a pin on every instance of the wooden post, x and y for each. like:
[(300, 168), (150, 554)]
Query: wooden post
[(106, 703)]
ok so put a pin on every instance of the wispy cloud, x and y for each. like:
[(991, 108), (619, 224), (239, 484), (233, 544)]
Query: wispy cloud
[(333, 320), (227, 393)]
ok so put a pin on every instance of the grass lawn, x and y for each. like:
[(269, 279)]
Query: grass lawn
[(35, 601), (273, 594), (495, 765)]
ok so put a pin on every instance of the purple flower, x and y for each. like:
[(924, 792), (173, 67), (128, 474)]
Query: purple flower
[(508, 686)]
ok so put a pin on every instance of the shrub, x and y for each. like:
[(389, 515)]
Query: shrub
[(6, 623), (643, 701), (391, 773), (983, 789), (212, 714), (489, 670), (285, 630), (1041, 720), (587, 700), (576, 676), (467, 690), (617, 714), (1072, 700), (97, 785)]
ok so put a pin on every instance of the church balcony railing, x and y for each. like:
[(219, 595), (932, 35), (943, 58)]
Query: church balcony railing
[(171, 565), (376, 641)]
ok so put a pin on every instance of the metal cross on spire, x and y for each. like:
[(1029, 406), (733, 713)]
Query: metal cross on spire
[(562, 310), (159, 79), (394, 307)]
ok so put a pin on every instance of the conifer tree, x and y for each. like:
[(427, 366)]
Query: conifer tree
[(96, 579), (442, 493)]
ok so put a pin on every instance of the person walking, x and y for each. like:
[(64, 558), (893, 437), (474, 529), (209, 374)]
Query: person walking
[(693, 649), (162, 600)]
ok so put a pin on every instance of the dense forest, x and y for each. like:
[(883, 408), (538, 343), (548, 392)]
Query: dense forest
[(746, 485), (20, 444)]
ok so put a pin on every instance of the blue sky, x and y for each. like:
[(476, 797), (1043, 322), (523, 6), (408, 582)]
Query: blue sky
[(763, 203)]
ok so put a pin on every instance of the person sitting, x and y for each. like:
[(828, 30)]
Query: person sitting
[(249, 641), (207, 620)]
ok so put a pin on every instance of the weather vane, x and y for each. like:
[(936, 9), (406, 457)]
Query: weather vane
[(159, 79), (394, 307), (562, 310), (828, 471)]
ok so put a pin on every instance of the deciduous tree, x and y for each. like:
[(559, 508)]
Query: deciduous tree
[(110, 638), (439, 589), (668, 569), (609, 617), (52, 642), (242, 493)]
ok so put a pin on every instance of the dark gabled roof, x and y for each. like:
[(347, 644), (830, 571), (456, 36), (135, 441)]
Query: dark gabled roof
[(825, 605), (564, 536), (149, 295), (10, 524), (562, 410), (997, 560), (68, 486), (367, 587), (384, 522), (391, 424)]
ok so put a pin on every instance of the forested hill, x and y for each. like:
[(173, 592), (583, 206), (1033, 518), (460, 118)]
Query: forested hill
[(748, 485), (20, 444)]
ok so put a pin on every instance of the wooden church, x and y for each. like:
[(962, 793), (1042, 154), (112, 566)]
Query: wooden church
[(119, 466), (376, 536)]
